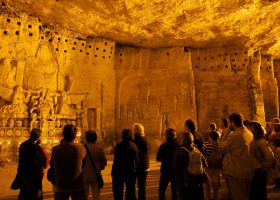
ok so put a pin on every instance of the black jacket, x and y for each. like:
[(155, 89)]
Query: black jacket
[(165, 155), (142, 145), (32, 161), (125, 158)]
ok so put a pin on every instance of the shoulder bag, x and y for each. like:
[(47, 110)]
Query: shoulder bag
[(99, 176)]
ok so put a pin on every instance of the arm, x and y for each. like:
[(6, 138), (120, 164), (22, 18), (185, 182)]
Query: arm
[(83, 154), (136, 157), (267, 155), (204, 162), (160, 154), (102, 159), (277, 156), (45, 159), (228, 144), (21, 158), (176, 162), (116, 160)]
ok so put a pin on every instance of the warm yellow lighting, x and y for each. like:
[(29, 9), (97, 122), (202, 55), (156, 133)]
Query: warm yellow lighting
[(9, 142), (44, 142)]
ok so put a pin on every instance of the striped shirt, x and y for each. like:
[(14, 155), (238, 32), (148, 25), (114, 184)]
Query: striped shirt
[(208, 148)]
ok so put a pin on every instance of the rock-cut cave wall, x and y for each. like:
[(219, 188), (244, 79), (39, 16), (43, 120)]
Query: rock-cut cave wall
[(154, 87), (51, 77)]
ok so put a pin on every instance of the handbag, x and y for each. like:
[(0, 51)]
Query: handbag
[(99, 175)]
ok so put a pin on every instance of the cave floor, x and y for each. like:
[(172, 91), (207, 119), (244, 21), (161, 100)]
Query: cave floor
[(7, 174)]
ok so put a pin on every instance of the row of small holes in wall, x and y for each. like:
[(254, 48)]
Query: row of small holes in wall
[(19, 24), (5, 32), (219, 67), (122, 54), (224, 59), (81, 50), (87, 53), (269, 67), (83, 44)]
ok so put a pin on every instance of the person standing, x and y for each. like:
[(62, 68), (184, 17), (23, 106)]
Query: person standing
[(189, 167), (277, 164), (262, 158), (143, 165), (68, 160), (92, 173), (237, 163), (124, 167), (225, 130), (214, 160), (32, 162), (224, 135), (191, 127), (165, 155)]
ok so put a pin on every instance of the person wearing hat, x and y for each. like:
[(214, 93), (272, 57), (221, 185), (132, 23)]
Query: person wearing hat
[(32, 162)]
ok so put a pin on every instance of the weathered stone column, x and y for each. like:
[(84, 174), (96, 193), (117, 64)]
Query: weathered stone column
[(255, 89), (269, 88), (276, 66)]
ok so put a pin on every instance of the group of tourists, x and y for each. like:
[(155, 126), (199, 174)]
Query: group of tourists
[(244, 153)]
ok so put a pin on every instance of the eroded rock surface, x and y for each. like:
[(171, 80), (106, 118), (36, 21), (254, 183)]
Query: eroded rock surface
[(162, 23)]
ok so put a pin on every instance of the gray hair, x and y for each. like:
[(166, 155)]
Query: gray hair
[(138, 129)]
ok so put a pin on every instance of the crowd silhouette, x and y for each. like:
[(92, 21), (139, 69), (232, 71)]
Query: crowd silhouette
[(242, 152)]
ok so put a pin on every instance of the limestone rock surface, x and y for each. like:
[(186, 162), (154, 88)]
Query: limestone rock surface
[(166, 23)]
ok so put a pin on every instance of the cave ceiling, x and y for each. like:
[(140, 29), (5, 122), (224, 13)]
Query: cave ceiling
[(166, 23)]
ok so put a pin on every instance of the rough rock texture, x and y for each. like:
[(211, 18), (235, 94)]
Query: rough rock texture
[(49, 79), (155, 87), (222, 78), (269, 88), (53, 73), (161, 23)]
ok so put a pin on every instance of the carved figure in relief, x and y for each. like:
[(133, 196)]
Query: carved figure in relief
[(57, 123), (68, 82), (153, 107), (42, 70), (8, 72), (42, 106), (18, 102), (11, 123), (130, 108), (64, 105), (140, 108)]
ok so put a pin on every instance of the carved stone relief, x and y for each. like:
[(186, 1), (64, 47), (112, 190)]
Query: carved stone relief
[(41, 71)]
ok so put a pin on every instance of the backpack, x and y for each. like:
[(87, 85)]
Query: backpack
[(195, 166), (215, 160)]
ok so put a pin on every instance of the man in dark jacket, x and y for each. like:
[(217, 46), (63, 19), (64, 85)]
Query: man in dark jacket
[(142, 168), (165, 155), (32, 162), (124, 167), (68, 161)]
